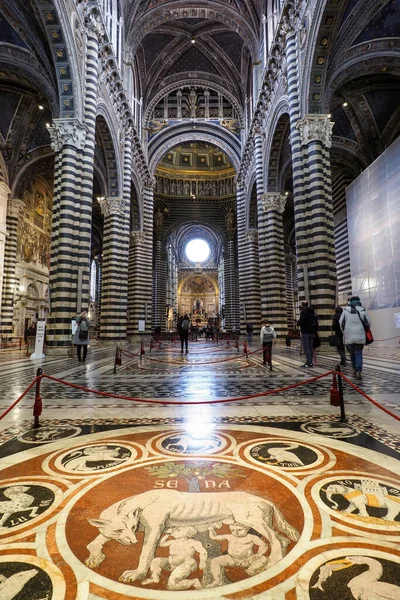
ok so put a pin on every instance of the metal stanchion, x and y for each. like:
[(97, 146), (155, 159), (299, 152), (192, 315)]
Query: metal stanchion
[(37, 407)]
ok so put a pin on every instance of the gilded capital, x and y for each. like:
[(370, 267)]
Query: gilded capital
[(67, 132), (273, 201), (315, 128)]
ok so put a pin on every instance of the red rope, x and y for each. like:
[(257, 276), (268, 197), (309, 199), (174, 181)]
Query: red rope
[(374, 402), (194, 364), (128, 353), (222, 400), (20, 398)]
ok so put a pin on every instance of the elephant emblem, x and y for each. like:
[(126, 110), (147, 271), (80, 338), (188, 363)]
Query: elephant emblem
[(364, 496)]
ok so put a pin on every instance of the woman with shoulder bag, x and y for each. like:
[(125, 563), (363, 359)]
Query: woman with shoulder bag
[(353, 322), (338, 334), (81, 336)]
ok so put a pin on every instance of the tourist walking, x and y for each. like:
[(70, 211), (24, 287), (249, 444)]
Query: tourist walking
[(249, 331), (183, 330), (308, 323), (81, 336), (339, 334), (267, 336), (353, 320)]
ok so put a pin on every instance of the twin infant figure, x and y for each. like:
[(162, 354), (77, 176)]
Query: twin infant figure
[(182, 548)]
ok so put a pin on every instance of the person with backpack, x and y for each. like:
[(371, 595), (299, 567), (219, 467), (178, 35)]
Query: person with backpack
[(308, 324), (353, 321), (183, 330), (267, 336), (81, 336)]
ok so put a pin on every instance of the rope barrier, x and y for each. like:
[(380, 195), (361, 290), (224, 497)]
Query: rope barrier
[(171, 362), (374, 402), (180, 403), (334, 397), (20, 397)]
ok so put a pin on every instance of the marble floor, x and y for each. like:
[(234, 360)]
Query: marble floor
[(213, 490)]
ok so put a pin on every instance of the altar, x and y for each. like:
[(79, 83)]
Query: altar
[(198, 297)]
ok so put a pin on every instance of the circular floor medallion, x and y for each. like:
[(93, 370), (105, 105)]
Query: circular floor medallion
[(96, 458), (199, 518), (365, 501), (25, 577), (45, 435), (23, 502), (287, 455), (191, 444), (333, 430)]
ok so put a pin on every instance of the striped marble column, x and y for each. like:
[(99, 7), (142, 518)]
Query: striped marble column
[(299, 197), (273, 284), (229, 281), (159, 274), (10, 260), (249, 278), (94, 36), (114, 273), (4, 193), (114, 298), (65, 266), (316, 132), (141, 267)]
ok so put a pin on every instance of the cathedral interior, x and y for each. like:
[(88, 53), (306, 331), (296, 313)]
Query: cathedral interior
[(227, 160)]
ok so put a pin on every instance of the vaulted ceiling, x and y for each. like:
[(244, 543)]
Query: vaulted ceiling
[(214, 41)]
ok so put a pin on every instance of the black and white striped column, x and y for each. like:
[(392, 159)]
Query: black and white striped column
[(248, 268), (273, 290), (114, 271), (300, 208), (316, 132), (65, 291), (141, 268), (10, 260), (94, 35), (159, 273), (229, 284), (4, 193)]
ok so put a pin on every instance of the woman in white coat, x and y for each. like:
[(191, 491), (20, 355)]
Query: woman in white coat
[(352, 324)]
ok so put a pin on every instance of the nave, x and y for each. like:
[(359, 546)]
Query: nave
[(294, 503)]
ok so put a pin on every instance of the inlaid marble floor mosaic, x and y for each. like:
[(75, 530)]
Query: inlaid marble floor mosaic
[(268, 500)]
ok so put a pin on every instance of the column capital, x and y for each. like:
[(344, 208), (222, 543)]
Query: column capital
[(138, 237), (14, 207), (149, 183), (92, 20), (111, 206), (273, 201), (251, 235), (67, 132), (316, 128)]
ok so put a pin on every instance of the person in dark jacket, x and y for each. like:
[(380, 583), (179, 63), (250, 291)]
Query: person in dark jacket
[(308, 324), (339, 334), (81, 336), (183, 330), (249, 331)]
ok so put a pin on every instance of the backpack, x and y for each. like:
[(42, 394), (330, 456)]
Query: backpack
[(83, 330), (268, 336), (185, 325)]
